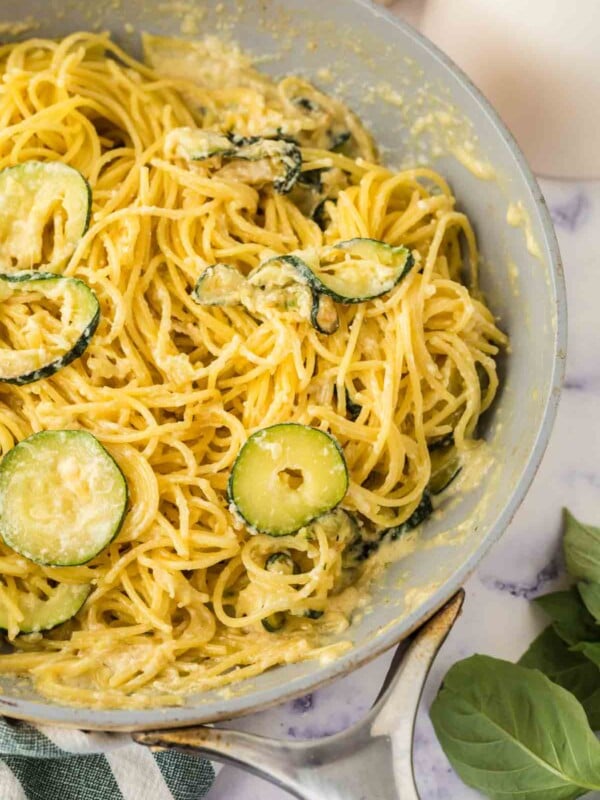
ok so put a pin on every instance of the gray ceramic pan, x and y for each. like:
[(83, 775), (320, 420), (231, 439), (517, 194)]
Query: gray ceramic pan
[(397, 82)]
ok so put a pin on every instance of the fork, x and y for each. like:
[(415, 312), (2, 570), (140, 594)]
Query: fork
[(371, 760)]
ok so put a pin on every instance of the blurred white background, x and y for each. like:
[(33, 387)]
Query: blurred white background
[(538, 62)]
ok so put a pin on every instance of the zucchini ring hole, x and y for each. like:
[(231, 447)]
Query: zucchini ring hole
[(292, 478)]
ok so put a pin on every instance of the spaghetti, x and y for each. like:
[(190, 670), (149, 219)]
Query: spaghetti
[(173, 389)]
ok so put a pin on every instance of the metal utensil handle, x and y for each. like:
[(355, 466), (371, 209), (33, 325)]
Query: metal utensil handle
[(372, 759)]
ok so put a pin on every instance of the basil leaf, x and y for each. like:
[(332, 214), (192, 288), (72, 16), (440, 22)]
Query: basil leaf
[(590, 594), (511, 733), (590, 651), (571, 670), (581, 546), (571, 619)]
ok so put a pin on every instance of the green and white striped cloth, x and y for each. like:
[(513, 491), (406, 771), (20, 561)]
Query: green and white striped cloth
[(48, 763)]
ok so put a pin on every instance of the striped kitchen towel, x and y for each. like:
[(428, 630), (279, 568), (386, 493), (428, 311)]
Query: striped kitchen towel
[(48, 763)]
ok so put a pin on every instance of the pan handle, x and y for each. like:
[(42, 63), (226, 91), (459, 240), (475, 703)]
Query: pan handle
[(372, 759)]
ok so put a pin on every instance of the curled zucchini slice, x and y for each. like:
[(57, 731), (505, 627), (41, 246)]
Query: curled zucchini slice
[(275, 285), (419, 515), (46, 321), (281, 284), (219, 285), (62, 497), (445, 466), (281, 563), (356, 270), (197, 144), (353, 409), (314, 189), (251, 160), (42, 614), (45, 209), (285, 476), (278, 162)]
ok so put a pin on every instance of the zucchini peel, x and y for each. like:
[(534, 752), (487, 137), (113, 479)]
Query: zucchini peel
[(35, 349)]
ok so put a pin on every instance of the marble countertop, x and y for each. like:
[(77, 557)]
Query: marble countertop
[(498, 618)]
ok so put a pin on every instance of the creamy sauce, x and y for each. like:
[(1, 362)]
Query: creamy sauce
[(513, 276), (518, 217), (17, 28)]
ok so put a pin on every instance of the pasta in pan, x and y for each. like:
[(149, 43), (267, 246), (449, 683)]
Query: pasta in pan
[(186, 175)]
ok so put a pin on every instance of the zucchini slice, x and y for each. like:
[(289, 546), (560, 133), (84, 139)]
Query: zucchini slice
[(285, 476), (46, 342), (356, 270), (445, 466), (197, 144), (276, 161), (274, 622), (338, 140), (45, 209), (353, 409), (281, 563), (275, 285), (219, 285), (62, 497), (282, 160), (282, 285), (314, 188), (324, 316), (43, 614), (419, 515)]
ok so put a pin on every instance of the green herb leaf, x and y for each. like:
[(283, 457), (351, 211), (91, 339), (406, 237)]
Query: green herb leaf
[(590, 594), (511, 733), (571, 619), (581, 545), (571, 670), (591, 651)]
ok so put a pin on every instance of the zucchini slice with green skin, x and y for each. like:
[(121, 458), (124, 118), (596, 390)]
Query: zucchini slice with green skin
[(219, 285), (29, 196), (281, 563), (364, 544), (445, 467), (352, 409), (324, 316), (284, 158), (283, 283), (356, 270), (340, 526), (274, 622), (320, 215), (197, 144), (313, 613), (441, 443), (63, 497), (285, 476), (80, 320), (419, 515), (275, 285), (338, 140), (43, 614)]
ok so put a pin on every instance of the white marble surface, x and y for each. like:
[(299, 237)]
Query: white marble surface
[(498, 618)]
